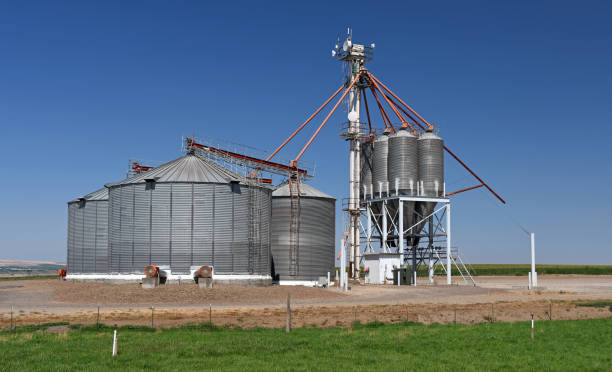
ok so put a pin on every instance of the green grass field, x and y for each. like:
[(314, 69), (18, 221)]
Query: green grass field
[(558, 345)]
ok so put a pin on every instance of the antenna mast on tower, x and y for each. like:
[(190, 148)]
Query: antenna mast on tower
[(353, 56)]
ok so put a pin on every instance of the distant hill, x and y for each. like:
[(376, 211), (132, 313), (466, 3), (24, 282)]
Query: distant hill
[(25, 268)]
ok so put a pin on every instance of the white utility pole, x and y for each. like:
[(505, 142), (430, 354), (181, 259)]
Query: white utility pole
[(534, 275)]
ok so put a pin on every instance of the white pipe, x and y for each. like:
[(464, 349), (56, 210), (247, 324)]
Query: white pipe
[(351, 238), (400, 231), (342, 263), (448, 244), (529, 285), (384, 225), (369, 227), (534, 277), (431, 270), (345, 282)]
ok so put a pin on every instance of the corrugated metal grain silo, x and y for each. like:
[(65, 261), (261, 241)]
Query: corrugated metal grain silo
[(87, 250), (402, 170), (379, 168), (187, 213), (431, 171), (316, 234)]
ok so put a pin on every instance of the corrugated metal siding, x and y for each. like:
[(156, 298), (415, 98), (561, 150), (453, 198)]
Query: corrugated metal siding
[(142, 228), (187, 224), (379, 165), (114, 228), (77, 257), (240, 240), (203, 197), (101, 255), (126, 242), (89, 237), (316, 237), (264, 216), (223, 229), (70, 239), (161, 224), (181, 227), (87, 243)]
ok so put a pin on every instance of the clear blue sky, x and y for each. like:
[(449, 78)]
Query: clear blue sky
[(521, 90)]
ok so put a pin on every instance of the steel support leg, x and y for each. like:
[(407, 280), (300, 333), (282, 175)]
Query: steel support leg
[(448, 244)]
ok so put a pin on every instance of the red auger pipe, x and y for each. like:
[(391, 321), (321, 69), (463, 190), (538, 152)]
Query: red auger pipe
[(304, 124), (191, 143), (294, 162), (383, 113), (431, 127), (365, 102), (464, 190), (405, 124), (474, 174)]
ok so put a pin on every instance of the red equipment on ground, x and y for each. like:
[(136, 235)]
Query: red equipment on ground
[(205, 271), (151, 271)]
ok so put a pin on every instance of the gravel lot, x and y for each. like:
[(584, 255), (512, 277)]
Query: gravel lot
[(41, 301)]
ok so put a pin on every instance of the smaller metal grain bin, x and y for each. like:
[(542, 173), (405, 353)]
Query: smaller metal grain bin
[(88, 233), (315, 239)]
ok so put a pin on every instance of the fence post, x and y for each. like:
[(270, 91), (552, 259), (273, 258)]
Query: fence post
[(152, 318), (532, 325), (492, 313), (210, 315), (115, 341), (406, 313), (12, 322), (288, 325), (549, 309)]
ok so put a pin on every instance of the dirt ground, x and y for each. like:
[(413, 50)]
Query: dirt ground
[(493, 299)]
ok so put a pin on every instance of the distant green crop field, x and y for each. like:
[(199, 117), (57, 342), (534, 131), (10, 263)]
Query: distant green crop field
[(558, 345), (29, 277), (522, 269)]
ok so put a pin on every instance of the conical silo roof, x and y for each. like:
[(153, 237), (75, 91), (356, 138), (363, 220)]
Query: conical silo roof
[(305, 191), (101, 194), (188, 168)]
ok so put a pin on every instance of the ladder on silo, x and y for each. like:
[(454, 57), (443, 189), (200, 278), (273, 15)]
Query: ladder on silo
[(253, 228), (294, 225)]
